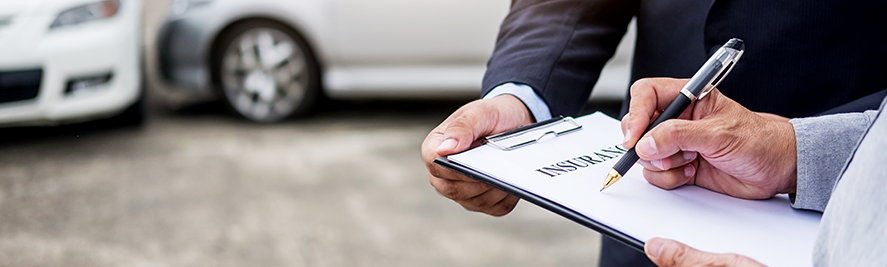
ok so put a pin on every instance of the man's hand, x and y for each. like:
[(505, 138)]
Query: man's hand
[(668, 253), (716, 143), (465, 129)]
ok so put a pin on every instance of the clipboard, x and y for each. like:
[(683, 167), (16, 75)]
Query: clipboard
[(528, 135), (633, 211)]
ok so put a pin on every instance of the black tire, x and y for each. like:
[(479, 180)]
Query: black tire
[(244, 84), (134, 115)]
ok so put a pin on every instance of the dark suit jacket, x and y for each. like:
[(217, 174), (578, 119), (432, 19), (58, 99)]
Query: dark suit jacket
[(802, 57)]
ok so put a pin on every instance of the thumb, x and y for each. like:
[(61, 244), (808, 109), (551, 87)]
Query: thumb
[(668, 253), (464, 130)]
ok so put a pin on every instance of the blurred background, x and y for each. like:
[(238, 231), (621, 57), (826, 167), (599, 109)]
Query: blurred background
[(252, 133)]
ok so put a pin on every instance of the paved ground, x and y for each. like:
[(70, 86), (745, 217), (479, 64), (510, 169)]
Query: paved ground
[(203, 188), (200, 187)]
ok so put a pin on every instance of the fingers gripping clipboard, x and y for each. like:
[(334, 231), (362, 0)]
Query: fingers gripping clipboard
[(528, 135)]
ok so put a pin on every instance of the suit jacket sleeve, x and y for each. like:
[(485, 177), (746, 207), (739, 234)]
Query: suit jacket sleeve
[(824, 145), (869, 102), (558, 47)]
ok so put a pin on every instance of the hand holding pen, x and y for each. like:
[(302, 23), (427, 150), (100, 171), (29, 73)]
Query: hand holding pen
[(733, 150), (707, 78), (716, 143)]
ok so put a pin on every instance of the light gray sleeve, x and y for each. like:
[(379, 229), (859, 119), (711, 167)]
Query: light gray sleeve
[(526, 94), (824, 145)]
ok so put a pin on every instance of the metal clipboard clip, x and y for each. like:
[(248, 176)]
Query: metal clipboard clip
[(533, 133)]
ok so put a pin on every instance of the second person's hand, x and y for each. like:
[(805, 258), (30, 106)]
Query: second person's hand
[(716, 143), (670, 253)]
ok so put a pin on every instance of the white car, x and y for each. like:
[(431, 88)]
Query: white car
[(67, 61), (272, 58)]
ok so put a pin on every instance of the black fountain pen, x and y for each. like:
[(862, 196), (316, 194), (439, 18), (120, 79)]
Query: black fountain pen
[(709, 75)]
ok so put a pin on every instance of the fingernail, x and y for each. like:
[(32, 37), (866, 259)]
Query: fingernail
[(647, 147), (658, 164), (448, 145), (627, 136), (656, 245), (688, 155), (689, 171)]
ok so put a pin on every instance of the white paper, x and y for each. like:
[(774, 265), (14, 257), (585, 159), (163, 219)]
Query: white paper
[(769, 231)]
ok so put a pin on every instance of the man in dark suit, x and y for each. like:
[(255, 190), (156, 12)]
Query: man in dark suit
[(802, 58)]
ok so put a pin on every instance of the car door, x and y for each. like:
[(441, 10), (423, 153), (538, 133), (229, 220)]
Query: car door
[(415, 32)]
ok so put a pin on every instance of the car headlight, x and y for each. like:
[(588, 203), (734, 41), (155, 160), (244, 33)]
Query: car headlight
[(89, 12)]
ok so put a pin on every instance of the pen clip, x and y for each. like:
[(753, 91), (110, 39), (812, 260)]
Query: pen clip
[(732, 57)]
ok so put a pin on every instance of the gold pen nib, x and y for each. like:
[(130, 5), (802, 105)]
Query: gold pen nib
[(612, 177)]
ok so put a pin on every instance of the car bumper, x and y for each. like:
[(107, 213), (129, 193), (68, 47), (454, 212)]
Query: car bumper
[(109, 48), (183, 55)]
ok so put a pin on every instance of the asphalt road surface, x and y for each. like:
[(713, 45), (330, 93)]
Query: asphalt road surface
[(201, 187)]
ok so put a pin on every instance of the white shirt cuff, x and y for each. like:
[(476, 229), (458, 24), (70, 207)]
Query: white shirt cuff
[(526, 94)]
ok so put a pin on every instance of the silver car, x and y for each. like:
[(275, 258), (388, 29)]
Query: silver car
[(271, 59)]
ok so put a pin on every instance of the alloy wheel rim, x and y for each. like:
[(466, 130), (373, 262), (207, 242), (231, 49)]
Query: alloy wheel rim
[(264, 74)]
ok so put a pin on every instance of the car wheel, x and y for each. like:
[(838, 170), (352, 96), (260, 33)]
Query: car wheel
[(266, 71)]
